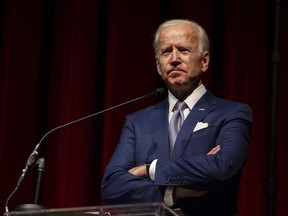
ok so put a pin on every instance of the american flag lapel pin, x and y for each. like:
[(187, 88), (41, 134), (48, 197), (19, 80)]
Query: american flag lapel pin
[(201, 109)]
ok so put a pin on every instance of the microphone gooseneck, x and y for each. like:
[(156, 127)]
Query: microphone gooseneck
[(33, 158)]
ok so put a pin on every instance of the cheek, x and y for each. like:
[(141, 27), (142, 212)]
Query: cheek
[(163, 75), (160, 68), (195, 64)]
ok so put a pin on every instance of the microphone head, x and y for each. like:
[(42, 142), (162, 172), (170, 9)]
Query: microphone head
[(159, 91)]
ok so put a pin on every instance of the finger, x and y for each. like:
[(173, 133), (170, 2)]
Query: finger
[(180, 192), (200, 193), (214, 150)]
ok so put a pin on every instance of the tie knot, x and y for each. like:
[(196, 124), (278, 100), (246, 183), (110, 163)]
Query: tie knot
[(180, 105)]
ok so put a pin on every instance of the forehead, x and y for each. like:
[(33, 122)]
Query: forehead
[(178, 34)]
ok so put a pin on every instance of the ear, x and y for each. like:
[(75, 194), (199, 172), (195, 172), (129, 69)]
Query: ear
[(205, 61)]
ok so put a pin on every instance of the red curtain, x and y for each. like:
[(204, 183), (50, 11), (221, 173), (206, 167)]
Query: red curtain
[(62, 60)]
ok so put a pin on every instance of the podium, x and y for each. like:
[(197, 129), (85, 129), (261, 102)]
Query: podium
[(139, 209)]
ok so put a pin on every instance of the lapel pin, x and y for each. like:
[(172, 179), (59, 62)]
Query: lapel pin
[(202, 109)]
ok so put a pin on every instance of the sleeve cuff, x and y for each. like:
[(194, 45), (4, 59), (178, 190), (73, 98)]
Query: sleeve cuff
[(152, 169), (168, 196)]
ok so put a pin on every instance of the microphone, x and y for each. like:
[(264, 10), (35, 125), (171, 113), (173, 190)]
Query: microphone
[(33, 158), (41, 168)]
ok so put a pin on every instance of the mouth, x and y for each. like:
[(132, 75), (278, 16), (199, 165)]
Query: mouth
[(175, 73)]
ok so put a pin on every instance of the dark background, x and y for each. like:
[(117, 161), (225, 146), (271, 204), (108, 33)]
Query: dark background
[(64, 59)]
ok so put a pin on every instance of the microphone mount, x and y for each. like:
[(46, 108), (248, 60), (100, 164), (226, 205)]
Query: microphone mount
[(34, 156)]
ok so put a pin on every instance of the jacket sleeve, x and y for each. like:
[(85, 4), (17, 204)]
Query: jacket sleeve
[(230, 128), (118, 185)]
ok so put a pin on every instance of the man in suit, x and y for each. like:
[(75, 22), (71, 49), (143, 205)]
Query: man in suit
[(200, 171)]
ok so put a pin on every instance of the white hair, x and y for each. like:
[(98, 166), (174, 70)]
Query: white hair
[(203, 40)]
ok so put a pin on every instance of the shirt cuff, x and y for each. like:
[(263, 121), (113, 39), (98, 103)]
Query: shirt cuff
[(168, 196), (152, 169)]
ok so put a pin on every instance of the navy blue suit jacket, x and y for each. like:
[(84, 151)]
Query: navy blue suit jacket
[(145, 138)]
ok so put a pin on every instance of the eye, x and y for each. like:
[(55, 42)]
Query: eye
[(184, 50), (166, 52)]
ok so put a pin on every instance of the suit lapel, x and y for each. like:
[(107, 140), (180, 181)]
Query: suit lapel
[(159, 126), (199, 111)]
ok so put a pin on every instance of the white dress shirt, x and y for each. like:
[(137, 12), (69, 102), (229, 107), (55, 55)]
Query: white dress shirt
[(191, 100)]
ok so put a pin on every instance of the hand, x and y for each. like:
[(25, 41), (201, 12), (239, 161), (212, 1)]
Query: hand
[(214, 150), (180, 192), (140, 171)]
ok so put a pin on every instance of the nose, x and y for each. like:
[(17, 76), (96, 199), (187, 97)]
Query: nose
[(175, 58)]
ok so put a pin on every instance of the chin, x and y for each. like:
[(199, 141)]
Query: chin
[(178, 83)]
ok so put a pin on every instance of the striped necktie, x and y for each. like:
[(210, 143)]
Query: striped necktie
[(176, 122)]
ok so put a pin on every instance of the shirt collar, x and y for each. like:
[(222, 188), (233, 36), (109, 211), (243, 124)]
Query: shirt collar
[(191, 100)]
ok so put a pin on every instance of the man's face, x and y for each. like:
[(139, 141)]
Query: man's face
[(179, 61)]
